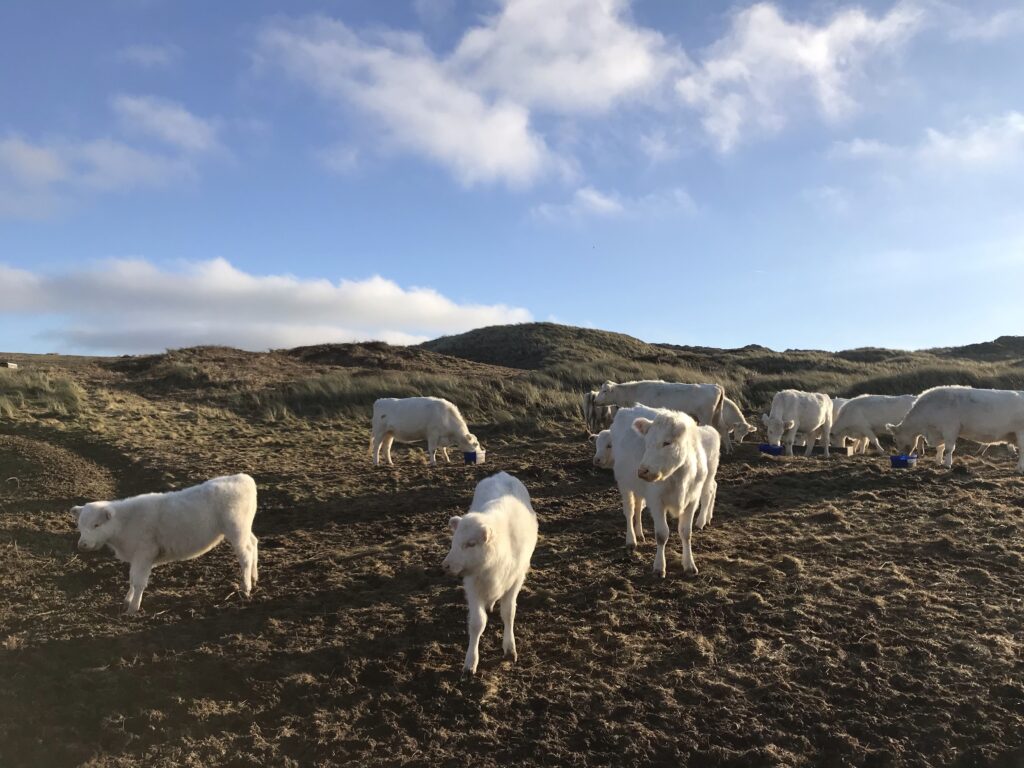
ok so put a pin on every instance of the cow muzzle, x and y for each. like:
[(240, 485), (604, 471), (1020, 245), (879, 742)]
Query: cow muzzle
[(645, 474)]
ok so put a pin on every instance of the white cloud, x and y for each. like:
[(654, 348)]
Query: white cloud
[(37, 179), (830, 199), (408, 91), (134, 306), (149, 56), (573, 56), (342, 159), (588, 202), (962, 24), (995, 143), (167, 121), (472, 111), (992, 144), (750, 78)]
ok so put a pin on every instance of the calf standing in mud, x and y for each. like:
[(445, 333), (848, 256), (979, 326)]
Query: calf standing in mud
[(675, 467), (158, 528), (491, 550)]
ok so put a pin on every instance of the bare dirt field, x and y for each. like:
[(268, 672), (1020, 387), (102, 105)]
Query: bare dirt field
[(844, 614)]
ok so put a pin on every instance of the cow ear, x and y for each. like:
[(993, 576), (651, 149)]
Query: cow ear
[(890, 428), (453, 522), (108, 514), (76, 512), (764, 418), (608, 384), (485, 533), (642, 425), (790, 424), (592, 438)]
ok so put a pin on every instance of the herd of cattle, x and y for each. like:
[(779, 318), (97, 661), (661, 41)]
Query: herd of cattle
[(662, 440)]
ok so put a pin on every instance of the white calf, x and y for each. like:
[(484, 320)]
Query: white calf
[(627, 449), (491, 550), (158, 528), (411, 419), (734, 422), (675, 468), (864, 418), (794, 411)]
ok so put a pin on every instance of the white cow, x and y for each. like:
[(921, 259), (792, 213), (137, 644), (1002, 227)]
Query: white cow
[(598, 417), (411, 419), (632, 488), (158, 528), (943, 414), (795, 411), (863, 418), (624, 457), (491, 550), (734, 422), (703, 402), (675, 467), (603, 456)]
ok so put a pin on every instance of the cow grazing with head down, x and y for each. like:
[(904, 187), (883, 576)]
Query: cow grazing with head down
[(702, 402), (795, 411), (411, 419), (942, 415)]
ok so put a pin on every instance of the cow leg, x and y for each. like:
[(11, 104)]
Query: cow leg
[(660, 536), (1020, 457), (939, 450), (508, 617), (375, 448), (638, 518), (477, 623), (253, 570), (629, 504), (707, 503), (686, 515), (138, 578), (789, 438), (950, 443), (245, 551), (389, 439), (432, 450), (444, 452), (812, 438), (872, 439)]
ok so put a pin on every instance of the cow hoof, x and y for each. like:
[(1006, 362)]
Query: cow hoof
[(659, 574), (690, 573), (511, 657)]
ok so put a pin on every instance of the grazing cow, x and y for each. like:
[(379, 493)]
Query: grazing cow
[(159, 528), (794, 411), (943, 414), (702, 402), (864, 418), (411, 419), (491, 550), (735, 423), (675, 467), (598, 417)]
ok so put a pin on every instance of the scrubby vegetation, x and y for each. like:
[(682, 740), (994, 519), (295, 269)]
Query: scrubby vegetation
[(38, 392)]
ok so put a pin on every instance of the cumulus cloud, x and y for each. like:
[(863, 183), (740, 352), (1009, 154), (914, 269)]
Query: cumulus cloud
[(166, 121), (472, 111), (992, 144), (588, 203), (765, 66), (150, 56), (135, 306)]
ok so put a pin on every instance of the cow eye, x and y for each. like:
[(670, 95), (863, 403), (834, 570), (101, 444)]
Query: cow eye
[(468, 544), (666, 444)]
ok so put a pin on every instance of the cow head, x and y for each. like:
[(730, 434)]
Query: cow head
[(776, 427), (604, 393), (904, 438), (663, 445), (468, 442), (603, 449), (471, 538), (97, 522)]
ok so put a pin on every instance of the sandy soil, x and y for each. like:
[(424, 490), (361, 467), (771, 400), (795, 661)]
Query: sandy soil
[(845, 613)]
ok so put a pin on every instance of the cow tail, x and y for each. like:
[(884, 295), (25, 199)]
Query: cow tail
[(718, 415)]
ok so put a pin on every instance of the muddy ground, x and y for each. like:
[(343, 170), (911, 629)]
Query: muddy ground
[(844, 614)]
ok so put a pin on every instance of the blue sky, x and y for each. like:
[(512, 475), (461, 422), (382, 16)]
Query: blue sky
[(794, 174)]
